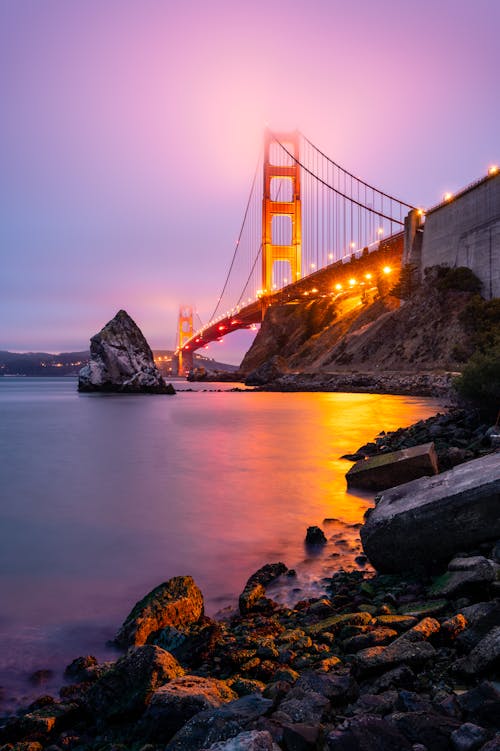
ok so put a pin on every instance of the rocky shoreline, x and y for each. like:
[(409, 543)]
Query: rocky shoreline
[(399, 662), (439, 385)]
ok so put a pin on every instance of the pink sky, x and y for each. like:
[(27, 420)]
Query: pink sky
[(130, 132)]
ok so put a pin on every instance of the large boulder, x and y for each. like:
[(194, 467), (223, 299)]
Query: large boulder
[(175, 703), (121, 360), (428, 521), (125, 690), (268, 372), (175, 604)]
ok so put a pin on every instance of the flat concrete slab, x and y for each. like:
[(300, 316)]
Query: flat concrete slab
[(388, 470), (429, 520)]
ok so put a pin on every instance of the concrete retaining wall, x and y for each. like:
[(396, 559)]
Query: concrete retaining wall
[(466, 232)]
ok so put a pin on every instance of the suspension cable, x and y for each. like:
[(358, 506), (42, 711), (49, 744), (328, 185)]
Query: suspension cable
[(343, 195), (237, 241), (250, 274), (325, 156)]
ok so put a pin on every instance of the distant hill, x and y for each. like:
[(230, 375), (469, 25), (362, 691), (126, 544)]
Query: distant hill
[(69, 363)]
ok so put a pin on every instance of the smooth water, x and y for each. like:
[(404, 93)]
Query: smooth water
[(105, 496)]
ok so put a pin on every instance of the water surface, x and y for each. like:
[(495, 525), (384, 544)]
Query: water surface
[(105, 496)]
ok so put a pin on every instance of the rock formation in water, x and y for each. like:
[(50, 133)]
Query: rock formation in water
[(121, 360)]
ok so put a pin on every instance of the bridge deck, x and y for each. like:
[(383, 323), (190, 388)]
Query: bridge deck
[(387, 255)]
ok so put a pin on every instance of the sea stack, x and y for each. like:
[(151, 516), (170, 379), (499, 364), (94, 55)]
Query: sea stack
[(121, 360)]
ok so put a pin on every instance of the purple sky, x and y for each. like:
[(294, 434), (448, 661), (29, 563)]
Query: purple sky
[(129, 133)]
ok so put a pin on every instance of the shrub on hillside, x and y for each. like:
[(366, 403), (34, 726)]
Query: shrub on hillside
[(481, 319), (480, 382), (461, 279)]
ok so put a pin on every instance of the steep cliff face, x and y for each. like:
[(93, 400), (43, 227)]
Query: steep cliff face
[(346, 333)]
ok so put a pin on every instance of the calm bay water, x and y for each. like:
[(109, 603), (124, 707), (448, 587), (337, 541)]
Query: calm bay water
[(105, 496)]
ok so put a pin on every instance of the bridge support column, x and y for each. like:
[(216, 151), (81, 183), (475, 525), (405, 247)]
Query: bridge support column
[(185, 330), (411, 266), (279, 200)]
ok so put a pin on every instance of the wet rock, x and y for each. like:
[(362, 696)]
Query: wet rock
[(211, 726), (468, 737), (482, 705), (250, 740), (122, 360), (39, 677), (367, 734), (267, 372), (484, 656), (377, 637), (173, 704), (126, 689), (399, 652), (393, 468), (301, 736), (82, 669), (315, 536), (253, 596), (177, 603), (431, 729), (436, 517), (464, 576), (302, 705)]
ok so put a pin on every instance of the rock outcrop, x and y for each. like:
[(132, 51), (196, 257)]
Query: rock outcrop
[(172, 605), (428, 520), (121, 360)]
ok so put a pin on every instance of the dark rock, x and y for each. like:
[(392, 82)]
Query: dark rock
[(176, 603), (484, 656), (254, 593), (269, 371), (400, 677), (338, 688), (315, 536), (468, 737), (436, 517), (39, 677), (82, 669), (249, 740), (122, 360), (482, 704), (212, 726), (304, 706), (429, 728), (300, 736), (367, 734), (126, 689)]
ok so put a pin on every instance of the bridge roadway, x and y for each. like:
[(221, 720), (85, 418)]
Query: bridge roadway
[(379, 266)]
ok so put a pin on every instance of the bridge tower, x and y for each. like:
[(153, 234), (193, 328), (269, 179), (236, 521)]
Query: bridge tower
[(185, 330), (281, 199)]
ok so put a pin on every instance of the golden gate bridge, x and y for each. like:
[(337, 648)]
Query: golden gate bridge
[(309, 227)]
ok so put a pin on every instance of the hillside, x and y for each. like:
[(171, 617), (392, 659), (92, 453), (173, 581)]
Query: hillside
[(346, 333), (37, 364)]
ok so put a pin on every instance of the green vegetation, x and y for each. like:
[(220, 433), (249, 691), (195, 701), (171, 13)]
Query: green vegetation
[(481, 319), (461, 279), (480, 382)]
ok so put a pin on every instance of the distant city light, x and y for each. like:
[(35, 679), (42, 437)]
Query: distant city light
[(313, 265), (387, 269), (447, 196), (353, 245), (380, 231), (338, 286), (330, 256), (352, 282), (368, 276), (493, 169)]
